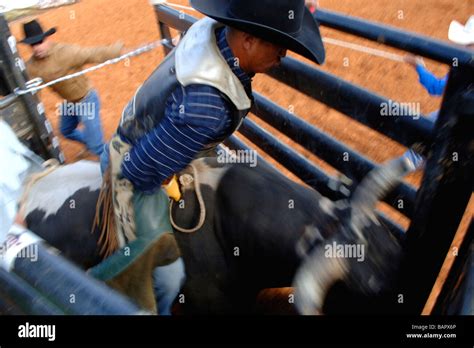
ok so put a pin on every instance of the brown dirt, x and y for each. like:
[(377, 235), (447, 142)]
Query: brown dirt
[(93, 22)]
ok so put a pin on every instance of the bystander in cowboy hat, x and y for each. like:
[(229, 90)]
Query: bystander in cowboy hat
[(34, 33)]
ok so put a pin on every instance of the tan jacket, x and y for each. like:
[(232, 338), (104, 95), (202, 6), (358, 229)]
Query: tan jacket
[(64, 59)]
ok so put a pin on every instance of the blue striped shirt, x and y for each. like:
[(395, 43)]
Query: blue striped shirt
[(195, 116)]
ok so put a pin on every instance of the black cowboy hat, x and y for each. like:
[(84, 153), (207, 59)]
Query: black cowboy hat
[(287, 23), (34, 33)]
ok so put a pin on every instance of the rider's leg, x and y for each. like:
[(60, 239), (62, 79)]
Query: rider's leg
[(104, 159), (122, 191), (152, 223), (167, 282)]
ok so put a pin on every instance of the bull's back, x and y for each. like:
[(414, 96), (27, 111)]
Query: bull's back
[(264, 215), (60, 208)]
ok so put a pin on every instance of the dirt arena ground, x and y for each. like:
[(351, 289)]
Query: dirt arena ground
[(102, 22)]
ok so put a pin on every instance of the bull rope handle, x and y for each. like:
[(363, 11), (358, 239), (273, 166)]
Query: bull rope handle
[(202, 206)]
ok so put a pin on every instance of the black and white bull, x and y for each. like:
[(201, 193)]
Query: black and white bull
[(60, 208), (258, 227)]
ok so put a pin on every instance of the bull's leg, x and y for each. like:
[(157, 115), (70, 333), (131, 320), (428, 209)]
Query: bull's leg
[(216, 293), (137, 280), (203, 296)]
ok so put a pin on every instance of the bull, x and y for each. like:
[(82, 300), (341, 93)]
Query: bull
[(239, 230)]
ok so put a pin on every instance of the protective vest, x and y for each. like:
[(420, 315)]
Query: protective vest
[(196, 60)]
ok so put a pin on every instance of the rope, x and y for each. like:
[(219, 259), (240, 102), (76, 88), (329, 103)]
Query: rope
[(202, 206), (49, 166), (368, 50), (36, 84), (336, 42), (164, 2)]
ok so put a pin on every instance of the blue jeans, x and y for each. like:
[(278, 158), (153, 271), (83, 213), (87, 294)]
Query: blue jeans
[(87, 112), (167, 281), (104, 159), (415, 158)]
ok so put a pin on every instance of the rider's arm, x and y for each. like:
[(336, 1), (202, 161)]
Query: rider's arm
[(195, 116)]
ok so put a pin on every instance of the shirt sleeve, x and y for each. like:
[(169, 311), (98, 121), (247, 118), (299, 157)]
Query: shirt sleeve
[(432, 84), (194, 117), (79, 56)]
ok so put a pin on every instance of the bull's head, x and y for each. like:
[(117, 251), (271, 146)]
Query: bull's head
[(362, 254)]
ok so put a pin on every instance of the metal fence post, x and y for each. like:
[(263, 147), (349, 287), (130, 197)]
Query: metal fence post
[(445, 191), (26, 112)]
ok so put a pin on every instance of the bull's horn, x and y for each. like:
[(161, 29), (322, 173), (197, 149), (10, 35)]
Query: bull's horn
[(379, 182), (312, 286)]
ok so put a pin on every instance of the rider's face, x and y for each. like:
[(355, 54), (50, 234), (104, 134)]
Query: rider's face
[(263, 55)]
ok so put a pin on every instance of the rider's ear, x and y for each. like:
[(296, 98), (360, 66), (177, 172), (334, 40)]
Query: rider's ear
[(248, 41)]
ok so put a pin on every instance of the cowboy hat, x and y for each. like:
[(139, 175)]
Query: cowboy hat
[(34, 33), (462, 34), (287, 23)]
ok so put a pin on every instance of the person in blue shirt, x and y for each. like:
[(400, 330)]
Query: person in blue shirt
[(434, 86), (462, 35)]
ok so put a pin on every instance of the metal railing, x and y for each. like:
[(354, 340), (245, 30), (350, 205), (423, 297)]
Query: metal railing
[(24, 113), (436, 209)]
